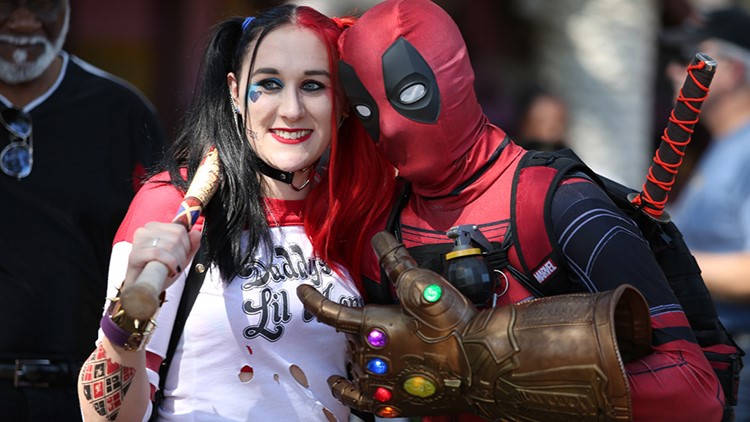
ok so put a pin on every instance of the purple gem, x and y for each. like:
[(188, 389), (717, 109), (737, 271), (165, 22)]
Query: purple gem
[(376, 338)]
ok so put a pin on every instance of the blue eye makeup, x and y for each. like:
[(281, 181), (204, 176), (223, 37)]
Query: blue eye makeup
[(266, 85), (270, 86), (313, 86)]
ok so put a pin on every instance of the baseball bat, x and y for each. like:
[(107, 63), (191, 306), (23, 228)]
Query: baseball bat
[(140, 300), (675, 139)]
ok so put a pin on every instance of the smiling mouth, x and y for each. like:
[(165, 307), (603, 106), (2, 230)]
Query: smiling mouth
[(291, 136), (22, 42)]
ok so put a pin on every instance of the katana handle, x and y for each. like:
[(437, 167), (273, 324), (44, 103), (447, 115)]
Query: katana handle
[(668, 158), (141, 299)]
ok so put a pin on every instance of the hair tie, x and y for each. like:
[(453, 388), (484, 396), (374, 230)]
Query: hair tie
[(345, 22), (247, 22)]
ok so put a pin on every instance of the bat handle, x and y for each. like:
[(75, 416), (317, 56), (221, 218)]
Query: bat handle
[(141, 299)]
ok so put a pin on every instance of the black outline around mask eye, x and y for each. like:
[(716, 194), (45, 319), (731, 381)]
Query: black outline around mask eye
[(403, 66), (358, 95)]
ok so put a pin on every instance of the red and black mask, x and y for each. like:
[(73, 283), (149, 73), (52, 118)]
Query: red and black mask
[(410, 86), (406, 71)]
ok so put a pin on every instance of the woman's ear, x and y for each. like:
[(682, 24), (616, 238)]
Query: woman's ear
[(233, 91)]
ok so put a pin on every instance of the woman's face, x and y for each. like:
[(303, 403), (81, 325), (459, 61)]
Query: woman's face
[(289, 98)]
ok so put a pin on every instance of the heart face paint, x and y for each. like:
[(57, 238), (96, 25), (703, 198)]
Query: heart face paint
[(253, 93)]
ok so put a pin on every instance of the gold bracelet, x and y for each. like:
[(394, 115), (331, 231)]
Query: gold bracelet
[(126, 332)]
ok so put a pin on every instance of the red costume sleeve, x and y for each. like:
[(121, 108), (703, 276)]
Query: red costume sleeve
[(157, 200)]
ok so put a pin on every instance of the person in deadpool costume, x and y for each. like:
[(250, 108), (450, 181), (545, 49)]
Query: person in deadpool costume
[(408, 76)]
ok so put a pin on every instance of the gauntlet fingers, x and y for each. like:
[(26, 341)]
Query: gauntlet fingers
[(425, 294), (345, 392), (343, 318)]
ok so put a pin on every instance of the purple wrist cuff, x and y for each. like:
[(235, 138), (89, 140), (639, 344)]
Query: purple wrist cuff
[(114, 334)]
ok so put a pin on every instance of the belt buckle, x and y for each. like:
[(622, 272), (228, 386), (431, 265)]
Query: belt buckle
[(19, 379)]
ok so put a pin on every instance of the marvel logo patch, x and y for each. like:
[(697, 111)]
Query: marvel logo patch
[(545, 271)]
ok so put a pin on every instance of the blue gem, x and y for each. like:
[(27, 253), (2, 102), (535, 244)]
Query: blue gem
[(377, 366)]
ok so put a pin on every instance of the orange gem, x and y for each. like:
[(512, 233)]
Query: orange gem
[(388, 412)]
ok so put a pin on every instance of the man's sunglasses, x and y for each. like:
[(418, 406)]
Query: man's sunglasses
[(17, 157), (46, 10)]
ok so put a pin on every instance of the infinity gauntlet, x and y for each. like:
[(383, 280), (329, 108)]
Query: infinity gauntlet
[(550, 359)]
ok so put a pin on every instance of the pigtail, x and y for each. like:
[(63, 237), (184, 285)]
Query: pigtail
[(210, 122), (203, 122)]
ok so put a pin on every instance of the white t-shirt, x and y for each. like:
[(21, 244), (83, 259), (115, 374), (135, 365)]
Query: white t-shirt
[(249, 350)]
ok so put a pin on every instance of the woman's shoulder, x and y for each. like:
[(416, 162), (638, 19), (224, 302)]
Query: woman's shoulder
[(156, 200), (159, 190)]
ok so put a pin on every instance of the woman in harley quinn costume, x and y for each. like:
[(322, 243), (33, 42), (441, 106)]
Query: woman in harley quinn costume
[(268, 100)]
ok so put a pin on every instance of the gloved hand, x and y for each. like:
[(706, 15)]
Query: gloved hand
[(554, 358)]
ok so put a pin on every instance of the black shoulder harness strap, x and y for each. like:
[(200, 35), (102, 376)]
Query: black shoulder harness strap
[(380, 292), (664, 238), (534, 184), (193, 284)]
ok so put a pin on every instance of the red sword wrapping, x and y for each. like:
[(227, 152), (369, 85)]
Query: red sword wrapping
[(677, 135)]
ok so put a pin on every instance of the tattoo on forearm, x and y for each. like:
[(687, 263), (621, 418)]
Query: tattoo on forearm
[(105, 383)]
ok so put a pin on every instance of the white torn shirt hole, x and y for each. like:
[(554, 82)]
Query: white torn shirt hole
[(246, 374), (299, 375)]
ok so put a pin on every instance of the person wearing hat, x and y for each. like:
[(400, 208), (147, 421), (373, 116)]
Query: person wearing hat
[(713, 210)]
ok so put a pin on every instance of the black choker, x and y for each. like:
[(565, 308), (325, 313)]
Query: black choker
[(283, 176)]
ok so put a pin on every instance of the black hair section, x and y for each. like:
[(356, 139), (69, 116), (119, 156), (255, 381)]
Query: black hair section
[(209, 121)]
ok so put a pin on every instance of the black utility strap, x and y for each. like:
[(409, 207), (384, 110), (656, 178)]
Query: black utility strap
[(380, 293), (193, 284)]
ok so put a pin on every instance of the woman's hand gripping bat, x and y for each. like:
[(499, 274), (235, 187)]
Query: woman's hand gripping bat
[(140, 300)]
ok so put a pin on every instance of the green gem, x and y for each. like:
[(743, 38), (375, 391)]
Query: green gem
[(432, 293), (419, 386)]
